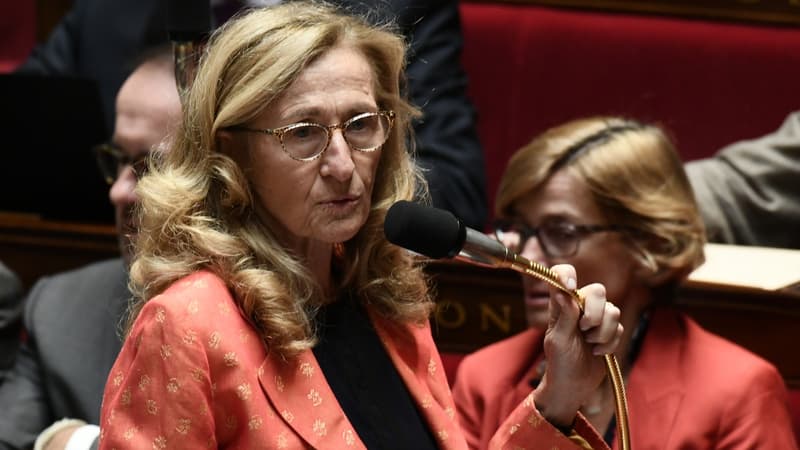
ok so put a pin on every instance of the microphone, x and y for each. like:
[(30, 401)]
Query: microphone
[(188, 25), (437, 233)]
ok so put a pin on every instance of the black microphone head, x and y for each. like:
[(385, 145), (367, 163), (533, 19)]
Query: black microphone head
[(432, 232), (188, 20)]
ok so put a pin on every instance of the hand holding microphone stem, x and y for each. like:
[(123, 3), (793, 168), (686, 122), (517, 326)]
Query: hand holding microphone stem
[(571, 342)]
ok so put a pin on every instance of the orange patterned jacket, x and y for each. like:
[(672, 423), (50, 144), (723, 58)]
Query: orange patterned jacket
[(193, 373)]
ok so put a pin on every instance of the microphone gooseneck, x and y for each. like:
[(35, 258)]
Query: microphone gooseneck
[(436, 233)]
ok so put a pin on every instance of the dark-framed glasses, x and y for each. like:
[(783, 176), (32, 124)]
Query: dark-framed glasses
[(557, 237), (306, 141), (111, 160)]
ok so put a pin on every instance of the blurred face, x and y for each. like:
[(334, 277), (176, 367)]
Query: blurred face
[(147, 108), (326, 199), (600, 257)]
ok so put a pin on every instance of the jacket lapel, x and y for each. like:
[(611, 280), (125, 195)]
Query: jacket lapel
[(413, 352), (298, 386), (655, 394), (298, 391)]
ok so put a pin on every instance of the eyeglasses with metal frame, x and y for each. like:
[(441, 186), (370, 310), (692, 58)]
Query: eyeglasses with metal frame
[(307, 141)]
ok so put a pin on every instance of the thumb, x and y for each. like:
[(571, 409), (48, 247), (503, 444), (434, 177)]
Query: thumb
[(564, 312)]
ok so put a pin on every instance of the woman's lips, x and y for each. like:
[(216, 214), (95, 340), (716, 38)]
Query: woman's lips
[(536, 294), (342, 199), (342, 204), (537, 299)]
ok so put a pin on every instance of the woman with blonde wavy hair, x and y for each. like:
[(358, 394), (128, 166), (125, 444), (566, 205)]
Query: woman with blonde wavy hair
[(270, 310), (610, 196)]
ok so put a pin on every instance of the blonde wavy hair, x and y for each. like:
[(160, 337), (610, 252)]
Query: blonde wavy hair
[(196, 207), (633, 173)]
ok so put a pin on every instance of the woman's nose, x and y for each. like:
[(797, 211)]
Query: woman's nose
[(532, 250), (337, 161)]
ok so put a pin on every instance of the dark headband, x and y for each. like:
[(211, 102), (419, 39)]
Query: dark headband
[(593, 140)]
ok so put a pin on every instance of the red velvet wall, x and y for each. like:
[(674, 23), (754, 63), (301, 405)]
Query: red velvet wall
[(709, 83)]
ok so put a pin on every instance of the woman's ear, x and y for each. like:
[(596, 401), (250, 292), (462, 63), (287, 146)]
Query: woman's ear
[(649, 271), (233, 146), (656, 277), (225, 141)]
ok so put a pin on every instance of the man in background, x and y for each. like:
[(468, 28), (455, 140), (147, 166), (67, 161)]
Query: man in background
[(73, 320)]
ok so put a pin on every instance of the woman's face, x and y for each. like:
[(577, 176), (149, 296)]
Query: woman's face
[(327, 199), (600, 257)]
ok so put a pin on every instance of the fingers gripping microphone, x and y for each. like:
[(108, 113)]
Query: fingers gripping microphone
[(436, 233)]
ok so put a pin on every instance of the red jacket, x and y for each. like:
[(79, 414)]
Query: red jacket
[(688, 389)]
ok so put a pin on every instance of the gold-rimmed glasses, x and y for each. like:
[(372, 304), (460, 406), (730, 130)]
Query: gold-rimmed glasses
[(307, 141)]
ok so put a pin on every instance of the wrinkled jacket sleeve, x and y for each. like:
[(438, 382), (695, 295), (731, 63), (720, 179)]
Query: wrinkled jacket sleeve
[(748, 192), (525, 428)]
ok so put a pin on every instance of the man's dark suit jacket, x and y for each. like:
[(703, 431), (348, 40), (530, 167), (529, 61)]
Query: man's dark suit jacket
[(447, 142), (74, 323), (10, 313), (99, 39)]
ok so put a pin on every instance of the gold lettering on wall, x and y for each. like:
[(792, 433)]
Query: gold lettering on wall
[(450, 315), (501, 320)]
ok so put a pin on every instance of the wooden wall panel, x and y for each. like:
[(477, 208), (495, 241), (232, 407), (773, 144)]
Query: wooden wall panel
[(33, 247)]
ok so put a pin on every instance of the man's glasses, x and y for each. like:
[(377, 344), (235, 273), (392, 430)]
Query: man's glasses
[(111, 160), (557, 237), (306, 141)]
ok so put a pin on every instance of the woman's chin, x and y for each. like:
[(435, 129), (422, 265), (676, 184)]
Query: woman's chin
[(537, 312), (340, 231)]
